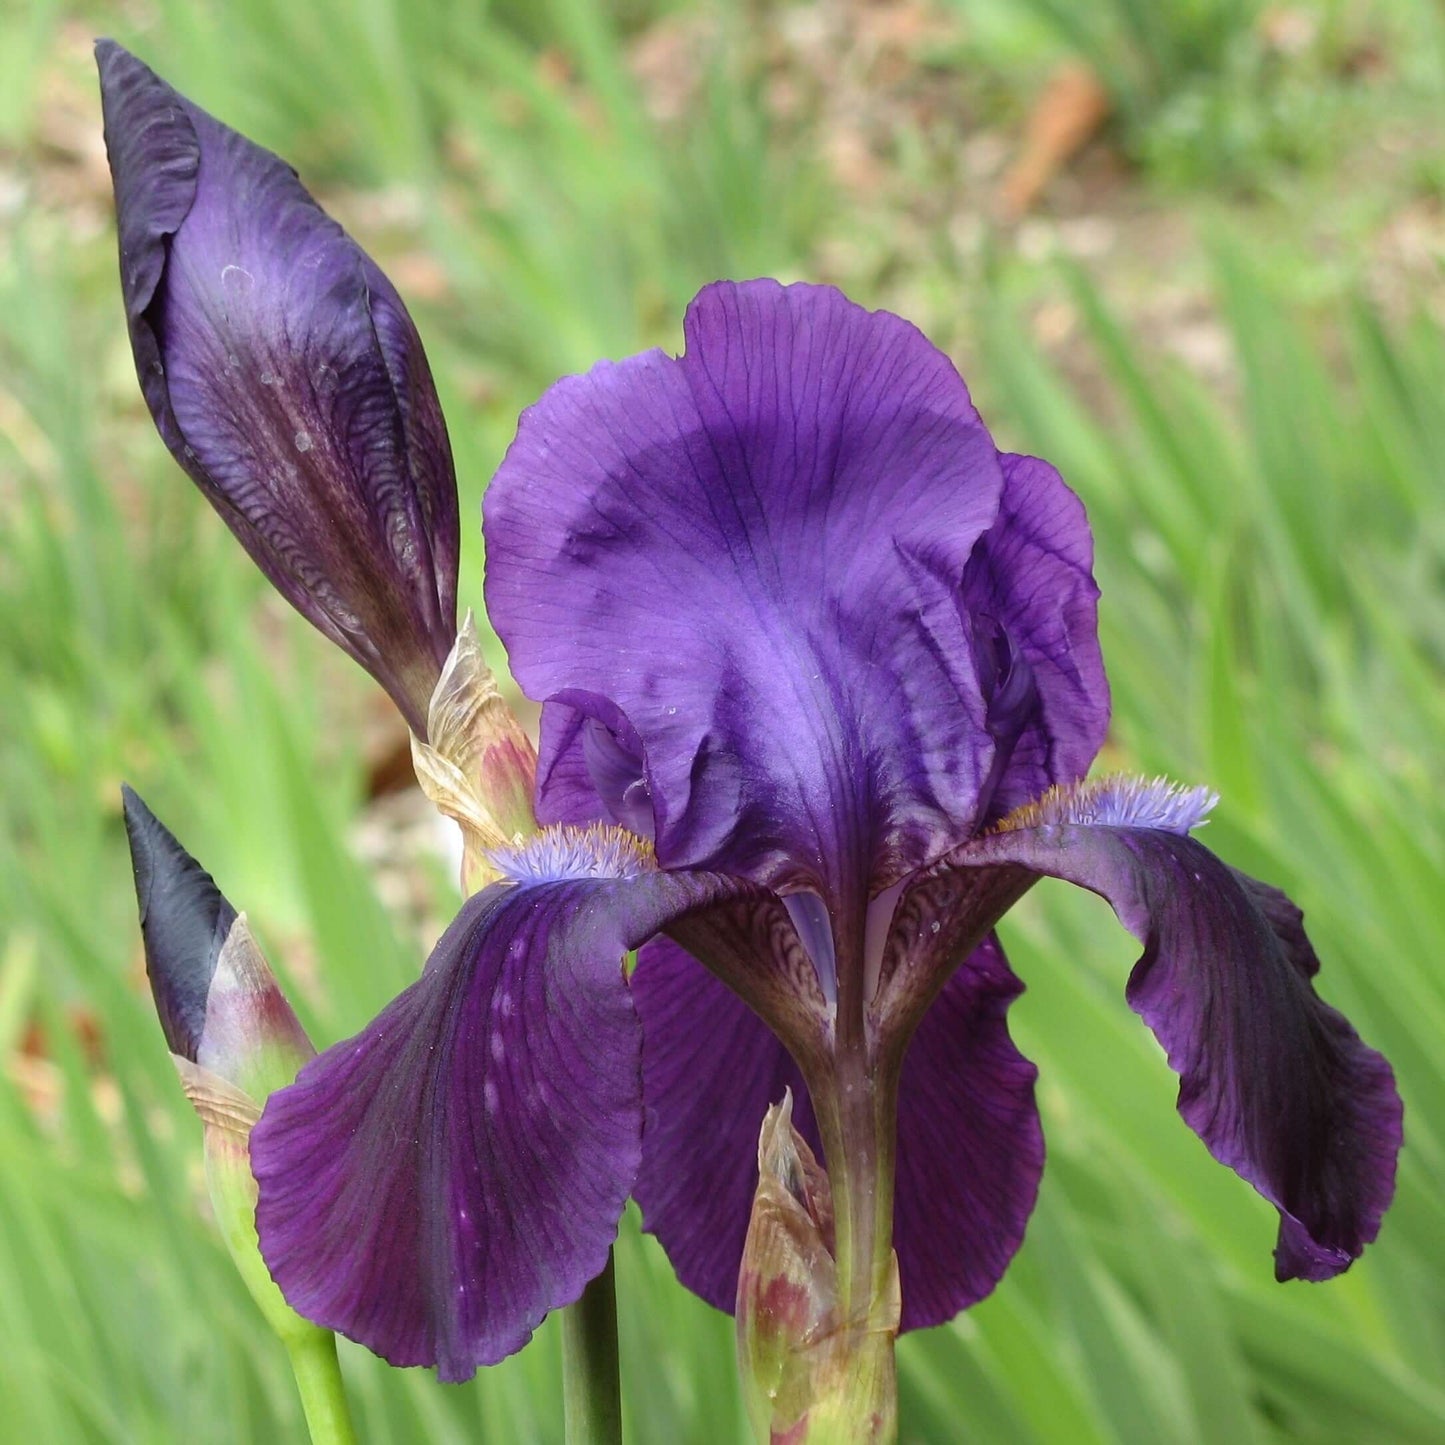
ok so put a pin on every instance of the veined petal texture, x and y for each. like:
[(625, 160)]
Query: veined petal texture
[(970, 1147), (756, 560), (1274, 1080), (286, 377), (435, 1185)]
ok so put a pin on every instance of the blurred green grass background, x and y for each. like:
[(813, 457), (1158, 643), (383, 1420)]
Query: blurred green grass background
[(1223, 320)]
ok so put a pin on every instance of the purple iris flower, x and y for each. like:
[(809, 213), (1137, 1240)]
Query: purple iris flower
[(820, 681), (285, 376)]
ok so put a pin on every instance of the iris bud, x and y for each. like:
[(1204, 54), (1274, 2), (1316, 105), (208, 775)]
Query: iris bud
[(808, 1373), (232, 1034), (285, 376)]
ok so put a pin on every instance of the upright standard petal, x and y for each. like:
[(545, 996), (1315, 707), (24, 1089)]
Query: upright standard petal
[(434, 1186), (970, 1148), (1272, 1079), (594, 769), (1031, 577), (754, 553), (286, 377)]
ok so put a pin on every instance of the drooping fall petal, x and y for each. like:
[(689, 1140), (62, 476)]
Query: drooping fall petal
[(1275, 1082), (710, 1071), (435, 1185), (970, 1145)]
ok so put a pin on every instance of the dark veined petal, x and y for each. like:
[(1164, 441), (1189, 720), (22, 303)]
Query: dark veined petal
[(218, 1003), (1272, 1079), (1031, 575), (970, 1145), (970, 1149), (434, 1186), (710, 1070), (565, 790), (755, 553), (286, 377)]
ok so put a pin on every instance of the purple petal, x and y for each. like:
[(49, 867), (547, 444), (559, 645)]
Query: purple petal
[(710, 1070), (594, 770), (970, 1150), (970, 1146), (434, 1186), (286, 377), (755, 552), (1031, 573), (1273, 1080)]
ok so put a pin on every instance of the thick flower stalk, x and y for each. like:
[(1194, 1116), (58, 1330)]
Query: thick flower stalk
[(808, 1373), (285, 376)]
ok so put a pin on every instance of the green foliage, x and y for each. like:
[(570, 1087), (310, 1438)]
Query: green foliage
[(1274, 623), (1231, 94), (1147, 53), (1271, 618)]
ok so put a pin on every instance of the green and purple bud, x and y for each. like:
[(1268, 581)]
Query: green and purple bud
[(230, 1030), (808, 1373), (285, 375)]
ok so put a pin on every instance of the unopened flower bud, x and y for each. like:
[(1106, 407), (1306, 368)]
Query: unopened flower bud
[(286, 377), (232, 1034), (808, 1373)]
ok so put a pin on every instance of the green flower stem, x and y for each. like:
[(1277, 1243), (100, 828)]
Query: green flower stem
[(323, 1396), (591, 1387), (229, 1115)]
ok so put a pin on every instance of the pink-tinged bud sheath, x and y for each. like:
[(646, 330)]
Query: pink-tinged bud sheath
[(808, 1374)]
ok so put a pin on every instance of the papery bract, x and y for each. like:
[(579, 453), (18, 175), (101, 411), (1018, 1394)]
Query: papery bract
[(477, 765)]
